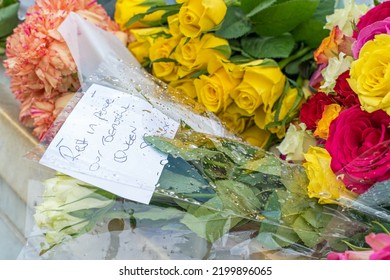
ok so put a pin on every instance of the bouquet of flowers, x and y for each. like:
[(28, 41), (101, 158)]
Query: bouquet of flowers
[(236, 58), (325, 191)]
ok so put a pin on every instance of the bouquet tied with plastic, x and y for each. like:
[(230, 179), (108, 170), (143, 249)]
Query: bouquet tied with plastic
[(133, 160)]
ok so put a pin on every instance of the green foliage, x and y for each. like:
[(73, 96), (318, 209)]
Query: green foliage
[(271, 47), (283, 17), (276, 29), (8, 20), (235, 25)]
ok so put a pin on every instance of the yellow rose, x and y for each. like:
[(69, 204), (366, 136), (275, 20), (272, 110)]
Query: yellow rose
[(261, 85), (143, 38), (185, 86), (256, 136), (197, 16), (211, 93), (196, 53), (323, 183), (126, 9), (330, 113), (213, 90), (370, 77), (262, 118), (174, 26), (234, 118), (160, 50)]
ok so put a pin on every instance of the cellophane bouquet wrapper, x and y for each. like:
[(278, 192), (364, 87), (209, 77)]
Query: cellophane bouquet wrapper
[(217, 197)]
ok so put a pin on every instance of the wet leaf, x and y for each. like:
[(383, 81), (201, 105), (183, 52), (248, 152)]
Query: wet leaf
[(268, 165), (178, 148), (238, 197), (306, 232)]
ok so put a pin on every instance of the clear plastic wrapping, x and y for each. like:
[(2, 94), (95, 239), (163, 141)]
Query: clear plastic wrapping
[(217, 197)]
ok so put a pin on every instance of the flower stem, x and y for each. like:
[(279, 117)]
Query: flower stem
[(283, 63)]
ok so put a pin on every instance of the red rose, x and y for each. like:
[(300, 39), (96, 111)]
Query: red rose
[(345, 96), (359, 143), (377, 13), (311, 111)]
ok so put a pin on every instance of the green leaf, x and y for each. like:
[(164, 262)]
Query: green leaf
[(268, 165), (225, 50), (272, 214), (306, 232), (180, 183), (210, 227), (294, 178), (177, 148), (295, 66), (235, 24), (163, 59), (210, 220), (286, 236), (311, 32), (238, 152), (170, 9), (252, 7), (267, 240), (5, 3), (325, 8), (238, 197), (283, 17), (316, 216), (269, 47), (8, 18)]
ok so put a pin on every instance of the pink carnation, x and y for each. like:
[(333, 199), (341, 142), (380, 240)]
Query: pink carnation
[(39, 62)]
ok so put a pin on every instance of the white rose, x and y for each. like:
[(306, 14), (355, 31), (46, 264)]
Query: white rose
[(296, 142)]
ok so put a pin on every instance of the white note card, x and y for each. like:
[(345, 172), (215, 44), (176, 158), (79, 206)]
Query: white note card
[(102, 143)]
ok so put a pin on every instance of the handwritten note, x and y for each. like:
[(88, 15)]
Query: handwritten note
[(102, 143)]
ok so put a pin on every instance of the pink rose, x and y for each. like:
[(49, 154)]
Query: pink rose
[(350, 255), (380, 244), (368, 33), (378, 13), (359, 145)]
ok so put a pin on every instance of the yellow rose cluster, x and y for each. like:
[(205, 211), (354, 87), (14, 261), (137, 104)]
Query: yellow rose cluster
[(253, 100)]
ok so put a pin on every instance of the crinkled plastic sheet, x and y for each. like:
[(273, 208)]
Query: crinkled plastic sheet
[(217, 198)]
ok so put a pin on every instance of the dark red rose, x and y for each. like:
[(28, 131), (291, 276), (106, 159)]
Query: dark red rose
[(377, 13), (311, 111), (359, 143), (345, 96)]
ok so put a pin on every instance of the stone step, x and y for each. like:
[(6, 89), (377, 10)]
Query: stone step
[(16, 174)]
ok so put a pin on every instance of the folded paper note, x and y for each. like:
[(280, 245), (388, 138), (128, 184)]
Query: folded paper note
[(101, 142)]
